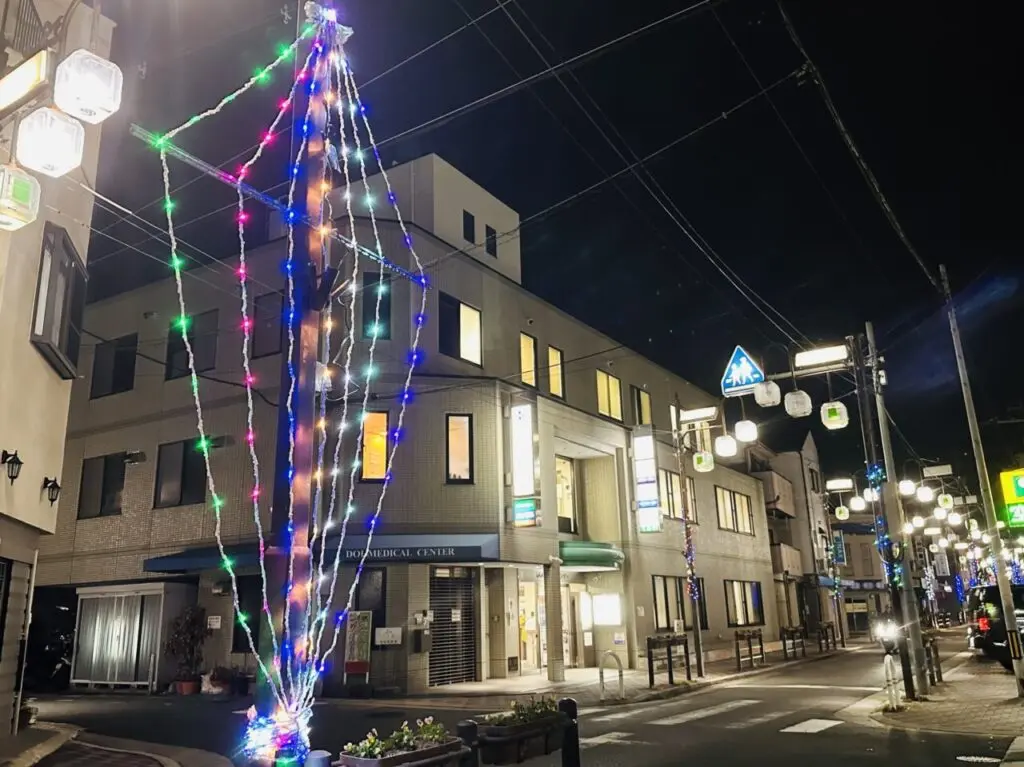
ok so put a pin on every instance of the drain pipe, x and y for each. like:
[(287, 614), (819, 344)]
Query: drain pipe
[(24, 642)]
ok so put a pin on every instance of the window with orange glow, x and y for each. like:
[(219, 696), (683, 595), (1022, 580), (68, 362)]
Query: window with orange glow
[(374, 459)]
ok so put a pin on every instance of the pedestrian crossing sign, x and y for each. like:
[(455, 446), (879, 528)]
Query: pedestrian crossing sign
[(1012, 484), (741, 375)]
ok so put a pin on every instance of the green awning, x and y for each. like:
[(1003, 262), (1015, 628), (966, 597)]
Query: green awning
[(590, 556)]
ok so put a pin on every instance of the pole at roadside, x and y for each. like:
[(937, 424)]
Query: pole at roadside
[(692, 582), (985, 486)]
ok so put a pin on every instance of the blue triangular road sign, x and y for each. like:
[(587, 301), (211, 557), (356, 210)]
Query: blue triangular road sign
[(741, 375)]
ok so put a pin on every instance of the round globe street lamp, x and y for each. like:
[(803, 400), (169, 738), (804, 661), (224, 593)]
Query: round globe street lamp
[(925, 494)]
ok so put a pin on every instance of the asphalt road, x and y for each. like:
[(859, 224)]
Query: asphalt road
[(787, 717)]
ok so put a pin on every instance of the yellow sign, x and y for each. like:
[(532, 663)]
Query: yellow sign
[(25, 79), (1012, 484)]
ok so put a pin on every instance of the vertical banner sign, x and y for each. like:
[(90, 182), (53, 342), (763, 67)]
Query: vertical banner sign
[(1012, 485), (839, 549), (941, 562), (645, 477), (524, 472), (358, 633)]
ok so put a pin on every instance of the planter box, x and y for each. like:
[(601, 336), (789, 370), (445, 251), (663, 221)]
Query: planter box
[(396, 760), (516, 743)]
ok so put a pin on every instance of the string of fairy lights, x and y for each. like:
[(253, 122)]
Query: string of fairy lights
[(292, 674)]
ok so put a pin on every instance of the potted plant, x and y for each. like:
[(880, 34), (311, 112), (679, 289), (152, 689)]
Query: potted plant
[(185, 645), (405, 745), (532, 728)]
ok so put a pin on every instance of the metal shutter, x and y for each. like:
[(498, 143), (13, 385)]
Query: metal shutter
[(453, 642)]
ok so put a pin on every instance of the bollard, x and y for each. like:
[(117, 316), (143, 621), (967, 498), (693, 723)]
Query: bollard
[(937, 662), (739, 662), (571, 744), (892, 690), (929, 662), (671, 671), (650, 662), (318, 759), (467, 732), (760, 642)]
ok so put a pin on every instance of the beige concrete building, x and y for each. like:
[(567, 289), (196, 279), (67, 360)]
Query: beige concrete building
[(42, 296), (508, 541)]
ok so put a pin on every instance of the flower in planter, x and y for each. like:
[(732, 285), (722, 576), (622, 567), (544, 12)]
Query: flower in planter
[(524, 712)]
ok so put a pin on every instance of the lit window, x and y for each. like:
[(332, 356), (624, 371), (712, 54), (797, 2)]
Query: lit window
[(734, 511), (459, 333), (607, 609), (565, 494), (743, 604), (374, 458), (641, 406), (609, 395), (698, 437), (528, 359), (670, 494), (556, 376), (691, 500), (60, 302), (460, 449)]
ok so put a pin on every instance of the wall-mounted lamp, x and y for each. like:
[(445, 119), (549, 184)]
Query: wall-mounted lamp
[(52, 488), (13, 464)]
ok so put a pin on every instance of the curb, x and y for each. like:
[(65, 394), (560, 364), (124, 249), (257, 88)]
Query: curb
[(166, 756), (62, 733)]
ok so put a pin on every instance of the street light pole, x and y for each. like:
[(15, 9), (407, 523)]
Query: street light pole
[(896, 517), (692, 582), (987, 500)]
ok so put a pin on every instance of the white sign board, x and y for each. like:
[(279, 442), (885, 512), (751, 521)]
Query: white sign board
[(387, 637), (213, 622), (942, 470), (456, 615)]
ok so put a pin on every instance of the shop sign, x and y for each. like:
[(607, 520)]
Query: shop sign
[(524, 512)]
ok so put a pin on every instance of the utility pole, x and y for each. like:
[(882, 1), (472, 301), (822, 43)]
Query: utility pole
[(856, 347), (987, 500), (896, 518), (692, 583)]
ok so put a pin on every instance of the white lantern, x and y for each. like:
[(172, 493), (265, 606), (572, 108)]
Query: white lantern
[(908, 528), (746, 431), (88, 86), (857, 503), (50, 142), (842, 513), (19, 198), (975, 534), (943, 543), (725, 446), (798, 404), (907, 487), (955, 519), (933, 531), (835, 415), (925, 494), (986, 538), (918, 521), (945, 501), (870, 494), (960, 545), (940, 513), (933, 548), (767, 394), (703, 461)]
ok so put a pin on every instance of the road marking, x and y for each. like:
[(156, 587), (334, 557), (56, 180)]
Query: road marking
[(804, 687), (812, 726), (703, 713), (763, 719), (612, 738), (978, 759)]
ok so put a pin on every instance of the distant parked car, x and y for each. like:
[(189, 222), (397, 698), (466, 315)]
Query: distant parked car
[(986, 626)]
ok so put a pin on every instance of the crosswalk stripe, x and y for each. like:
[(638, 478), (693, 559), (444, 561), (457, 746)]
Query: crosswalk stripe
[(763, 719), (703, 713), (812, 726)]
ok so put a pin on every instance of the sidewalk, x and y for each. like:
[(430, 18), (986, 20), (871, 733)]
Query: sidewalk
[(56, 745)]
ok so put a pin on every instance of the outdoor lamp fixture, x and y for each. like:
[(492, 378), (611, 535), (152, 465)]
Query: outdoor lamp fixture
[(725, 446), (13, 464), (52, 488), (870, 494), (746, 431), (940, 512), (925, 494), (918, 521), (857, 503), (955, 519), (908, 528), (943, 543), (907, 487), (825, 355), (933, 531)]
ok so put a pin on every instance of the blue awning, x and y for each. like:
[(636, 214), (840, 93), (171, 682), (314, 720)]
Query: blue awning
[(384, 549)]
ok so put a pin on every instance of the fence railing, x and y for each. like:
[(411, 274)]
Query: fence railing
[(667, 642), (747, 638)]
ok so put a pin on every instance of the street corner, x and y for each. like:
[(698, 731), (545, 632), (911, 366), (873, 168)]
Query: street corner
[(866, 712), (1002, 720)]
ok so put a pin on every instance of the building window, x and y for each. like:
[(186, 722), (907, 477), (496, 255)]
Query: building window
[(609, 395), (702, 606), (250, 604), (528, 359), (868, 552), (491, 241), (691, 500), (672, 602), (734, 512), (60, 302), (673, 420), (371, 595), (743, 606), (459, 330), (102, 486), (468, 227), (267, 328), (670, 494), (641, 406), (460, 449), (202, 334), (373, 459), (565, 495), (556, 375), (376, 321), (815, 480), (180, 475), (698, 437), (113, 366)]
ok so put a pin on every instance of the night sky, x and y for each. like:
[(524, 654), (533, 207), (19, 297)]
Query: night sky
[(925, 89)]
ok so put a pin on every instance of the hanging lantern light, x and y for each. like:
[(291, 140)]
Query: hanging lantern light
[(857, 503), (725, 446), (798, 404), (940, 512), (19, 198), (50, 142), (746, 431), (943, 543), (908, 528), (960, 545), (835, 415), (842, 513), (933, 531), (88, 86), (975, 534), (918, 521), (703, 461), (933, 548), (925, 494), (945, 500), (955, 519), (986, 538), (907, 487), (870, 494), (767, 394)]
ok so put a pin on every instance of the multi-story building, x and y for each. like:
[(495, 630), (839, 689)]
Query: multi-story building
[(865, 589), (508, 540), (42, 296)]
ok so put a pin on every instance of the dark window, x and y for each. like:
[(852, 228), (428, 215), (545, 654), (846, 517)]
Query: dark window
[(376, 321), (371, 595), (641, 406), (491, 241), (267, 328), (60, 302), (815, 480), (202, 334), (113, 367), (250, 604), (102, 486), (459, 450), (743, 605), (180, 475), (468, 227)]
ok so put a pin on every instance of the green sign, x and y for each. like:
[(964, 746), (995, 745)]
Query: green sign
[(524, 512), (1012, 484), (1015, 514)]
